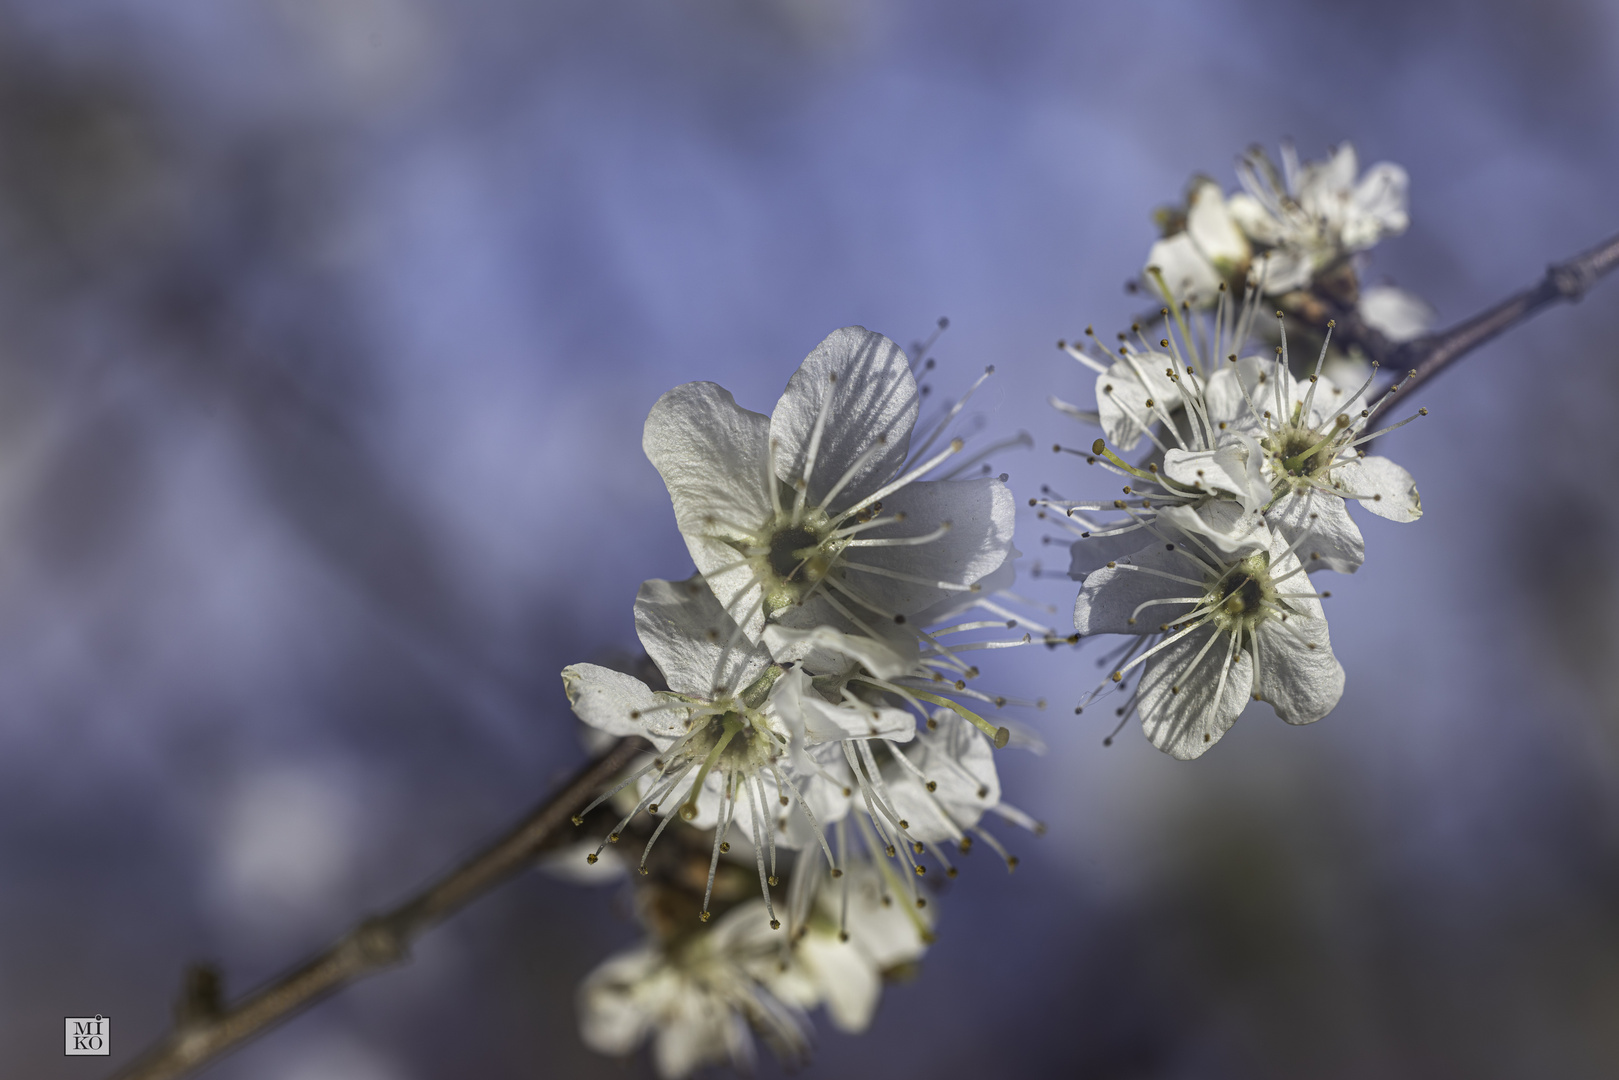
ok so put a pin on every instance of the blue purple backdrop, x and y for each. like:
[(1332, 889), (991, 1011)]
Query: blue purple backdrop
[(327, 328)]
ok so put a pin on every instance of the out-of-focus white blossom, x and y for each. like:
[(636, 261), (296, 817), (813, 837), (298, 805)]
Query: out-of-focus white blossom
[(1311, 215), (698, 1000)]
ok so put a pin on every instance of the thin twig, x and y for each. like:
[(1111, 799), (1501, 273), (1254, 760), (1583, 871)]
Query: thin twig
[(202, 1035), (1430, 354)]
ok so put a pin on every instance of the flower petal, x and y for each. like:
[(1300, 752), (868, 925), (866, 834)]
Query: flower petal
[(848, 980), (1211, 228), (1187, 272), (1381, 486), (711, 453), (1377, 207), (980, 515), (1398, 315), (1123, 391), (959, 761), (1330, 538), (606, 699), (614, 1011), (1090, 553), (864, 383), (1185, 705), (1234, 466), (1110, 596), (696, 645), (1298, 675), (799, 703)]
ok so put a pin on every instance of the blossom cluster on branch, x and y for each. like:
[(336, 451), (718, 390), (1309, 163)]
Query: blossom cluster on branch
[(814, 700), (1204, 564)]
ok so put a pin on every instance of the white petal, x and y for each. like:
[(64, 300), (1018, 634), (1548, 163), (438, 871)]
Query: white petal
[(1090, 553), (1220, 524), (866, 383), (613, 1011), (606, 699), (1210, 226), (1223, 394), (1252, 218), (1284, 269), (1110, 596), (1332, 540), (1387, 490), (1234, 466), (883, 932), (1323, 185), (1377, 207), (849, 982), (711, 453), (825, 721), (957, 758), (1298, 675), (1180, 712), (1123, 391), (980, 514), (693, 641), (825, 650), (1397, 314), (954, 604), (1187, 272)]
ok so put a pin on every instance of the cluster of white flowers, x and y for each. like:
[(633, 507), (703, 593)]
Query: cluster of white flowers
[(1244, 495), (817, 698), (814, 700), (1290, 229)]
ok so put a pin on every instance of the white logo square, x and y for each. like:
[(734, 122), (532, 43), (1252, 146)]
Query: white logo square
[(89, 1035)]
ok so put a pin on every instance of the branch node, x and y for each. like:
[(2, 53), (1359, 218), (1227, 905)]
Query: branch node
[(202, 996), (379, 943), (1571, 279)]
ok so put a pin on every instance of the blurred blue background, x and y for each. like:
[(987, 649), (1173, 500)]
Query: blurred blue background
[(327, 329)]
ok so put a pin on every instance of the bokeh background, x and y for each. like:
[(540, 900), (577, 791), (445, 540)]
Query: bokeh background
[(327, 328)]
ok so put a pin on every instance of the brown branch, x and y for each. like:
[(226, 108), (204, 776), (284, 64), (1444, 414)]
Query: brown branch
[(203, 1031), (1427, 356)]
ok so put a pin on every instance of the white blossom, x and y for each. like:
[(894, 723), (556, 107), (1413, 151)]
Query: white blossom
[(844, 938), (1212, 627), (697, 998), (1309, 433), (819, 514), (723, 748), (1313, 214), (1285, 450), (1209, 250)]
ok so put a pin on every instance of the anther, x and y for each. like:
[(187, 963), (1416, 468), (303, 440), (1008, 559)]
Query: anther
[(775, 924), (577, 820), (726, 846), (591, 858)]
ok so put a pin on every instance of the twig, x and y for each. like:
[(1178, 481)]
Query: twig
[(207, 1032), (1430, 354)]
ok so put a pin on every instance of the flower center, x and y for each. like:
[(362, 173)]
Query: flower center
[(794, 554), (1245, 594)]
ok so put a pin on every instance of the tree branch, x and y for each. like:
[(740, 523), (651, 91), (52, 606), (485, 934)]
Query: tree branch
[(203, 1031), (1427, 356)]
